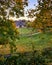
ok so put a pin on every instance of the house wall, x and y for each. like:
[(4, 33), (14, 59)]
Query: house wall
[(20, 23)]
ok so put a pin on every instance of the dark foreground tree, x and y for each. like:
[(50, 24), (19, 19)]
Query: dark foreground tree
[(8, 30)]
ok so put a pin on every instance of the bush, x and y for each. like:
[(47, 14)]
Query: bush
[(47, 52), (28, 58), (38, 59)]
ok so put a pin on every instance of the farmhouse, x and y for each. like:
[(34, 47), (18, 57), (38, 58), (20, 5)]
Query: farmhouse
[(20, 23)]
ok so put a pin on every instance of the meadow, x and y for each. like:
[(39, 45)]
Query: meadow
[(38, 41), (29, 41), (31, 49)]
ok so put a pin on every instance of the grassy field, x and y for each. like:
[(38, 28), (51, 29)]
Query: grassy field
[(39, 41), (25, 43), (25, 30)]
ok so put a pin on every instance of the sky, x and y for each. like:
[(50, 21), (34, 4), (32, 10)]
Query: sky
[(31, 5)]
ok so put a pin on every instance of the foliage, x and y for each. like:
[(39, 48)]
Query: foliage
[(12, 6), (47, 52), (44, 15), (8, 32), (29, 24), (27, 58)]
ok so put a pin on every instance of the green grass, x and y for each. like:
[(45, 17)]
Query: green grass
[(24, 44), (39, 41), (25, 30)]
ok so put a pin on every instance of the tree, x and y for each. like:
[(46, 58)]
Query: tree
[(31, 13), (8, 33), (12, 6), (8, 30), (44, 15)]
